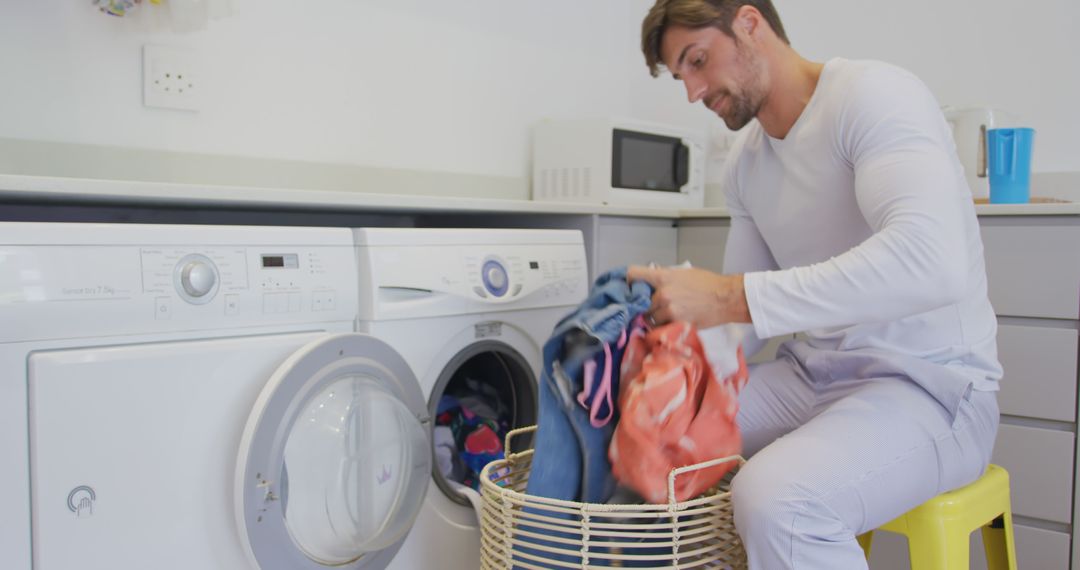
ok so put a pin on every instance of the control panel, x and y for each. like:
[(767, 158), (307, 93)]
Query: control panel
[(413, 281), (554, 274), (100, 289), (249, 280)]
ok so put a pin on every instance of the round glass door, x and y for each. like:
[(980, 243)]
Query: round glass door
[(344, 428), (348, 460)]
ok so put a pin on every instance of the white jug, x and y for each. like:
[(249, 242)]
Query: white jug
[(969, 126)]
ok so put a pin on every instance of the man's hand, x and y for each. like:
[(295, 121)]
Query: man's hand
[(703, 298)]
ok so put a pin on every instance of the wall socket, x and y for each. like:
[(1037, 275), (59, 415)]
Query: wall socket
[(171, 78)]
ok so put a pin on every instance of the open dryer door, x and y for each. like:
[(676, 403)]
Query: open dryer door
[(335, 458)]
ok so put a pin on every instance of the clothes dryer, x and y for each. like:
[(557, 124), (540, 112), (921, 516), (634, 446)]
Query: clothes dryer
[(469, 310), (181, 397)]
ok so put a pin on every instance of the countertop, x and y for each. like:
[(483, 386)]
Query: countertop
[(41, 189)]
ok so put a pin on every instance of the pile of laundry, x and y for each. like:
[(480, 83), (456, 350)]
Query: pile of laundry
[(470, 425), (623, 403)]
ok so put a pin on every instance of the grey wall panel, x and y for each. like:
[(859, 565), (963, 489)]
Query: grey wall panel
[(1040, 372), (639, 241), (1033, 270), (1040, 466)]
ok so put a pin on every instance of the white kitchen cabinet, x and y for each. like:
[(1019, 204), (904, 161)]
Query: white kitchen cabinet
[(1033, 266), (1041, 365), (1035, 548), (701, 242), (1040, 465), (1033, 277), (634, 241)]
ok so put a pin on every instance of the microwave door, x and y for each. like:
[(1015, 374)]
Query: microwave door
[(646, 161), (681, 166)]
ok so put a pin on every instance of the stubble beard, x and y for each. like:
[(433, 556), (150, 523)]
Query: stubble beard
[(745, 105)]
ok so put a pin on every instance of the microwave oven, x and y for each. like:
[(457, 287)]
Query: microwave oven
[(618, 162)]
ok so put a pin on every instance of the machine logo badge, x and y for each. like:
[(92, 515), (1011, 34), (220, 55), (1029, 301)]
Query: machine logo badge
[(384, 476), (485, 330), (81, 501)]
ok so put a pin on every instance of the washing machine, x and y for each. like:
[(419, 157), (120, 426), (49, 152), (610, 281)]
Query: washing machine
[(196, 397), (469, 310)]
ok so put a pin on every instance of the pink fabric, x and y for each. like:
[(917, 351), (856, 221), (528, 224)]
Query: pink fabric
[(674, 412), (589, 372), (603, 389)]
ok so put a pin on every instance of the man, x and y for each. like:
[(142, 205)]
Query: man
[(851, 222)]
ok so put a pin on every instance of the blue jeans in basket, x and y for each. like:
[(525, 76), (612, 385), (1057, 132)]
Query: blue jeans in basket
[(570, 459)]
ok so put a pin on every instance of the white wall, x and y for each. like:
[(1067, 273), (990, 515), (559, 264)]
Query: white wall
[(453, 87), (411, 84)]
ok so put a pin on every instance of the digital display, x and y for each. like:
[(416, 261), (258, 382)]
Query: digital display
[(286, 261), (534, 265)]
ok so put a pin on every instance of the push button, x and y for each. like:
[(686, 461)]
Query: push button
[(232, 304), (275, 303), (322, 301), (162, 308)]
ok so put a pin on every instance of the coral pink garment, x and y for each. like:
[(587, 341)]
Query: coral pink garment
[(674, 412)]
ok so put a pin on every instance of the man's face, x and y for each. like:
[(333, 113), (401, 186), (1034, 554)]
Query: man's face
[(723, 73)]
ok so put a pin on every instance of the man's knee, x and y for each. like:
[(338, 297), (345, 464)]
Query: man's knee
[(769, 497), (763, 498)]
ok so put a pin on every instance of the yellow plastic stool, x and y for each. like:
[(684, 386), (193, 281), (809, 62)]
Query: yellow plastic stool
[(939, 529)]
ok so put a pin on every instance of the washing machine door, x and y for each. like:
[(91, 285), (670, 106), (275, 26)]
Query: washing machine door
[(335, 458)]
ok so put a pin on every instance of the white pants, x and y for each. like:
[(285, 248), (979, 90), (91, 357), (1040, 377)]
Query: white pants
[(831, 460)]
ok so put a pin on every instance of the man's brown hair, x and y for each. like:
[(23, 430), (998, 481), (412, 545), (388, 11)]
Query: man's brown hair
[(697, 14)]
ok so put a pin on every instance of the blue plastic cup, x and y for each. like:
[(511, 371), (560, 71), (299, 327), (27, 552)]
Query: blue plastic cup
[(1009, 165)]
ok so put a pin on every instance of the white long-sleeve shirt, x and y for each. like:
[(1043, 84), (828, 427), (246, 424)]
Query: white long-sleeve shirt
[(858, 227)]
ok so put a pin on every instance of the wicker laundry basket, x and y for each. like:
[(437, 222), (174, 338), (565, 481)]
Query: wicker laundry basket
[(527, 532)]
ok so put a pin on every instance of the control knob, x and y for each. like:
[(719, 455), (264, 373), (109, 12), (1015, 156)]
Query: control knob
[(494, 276), (196, 279)]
